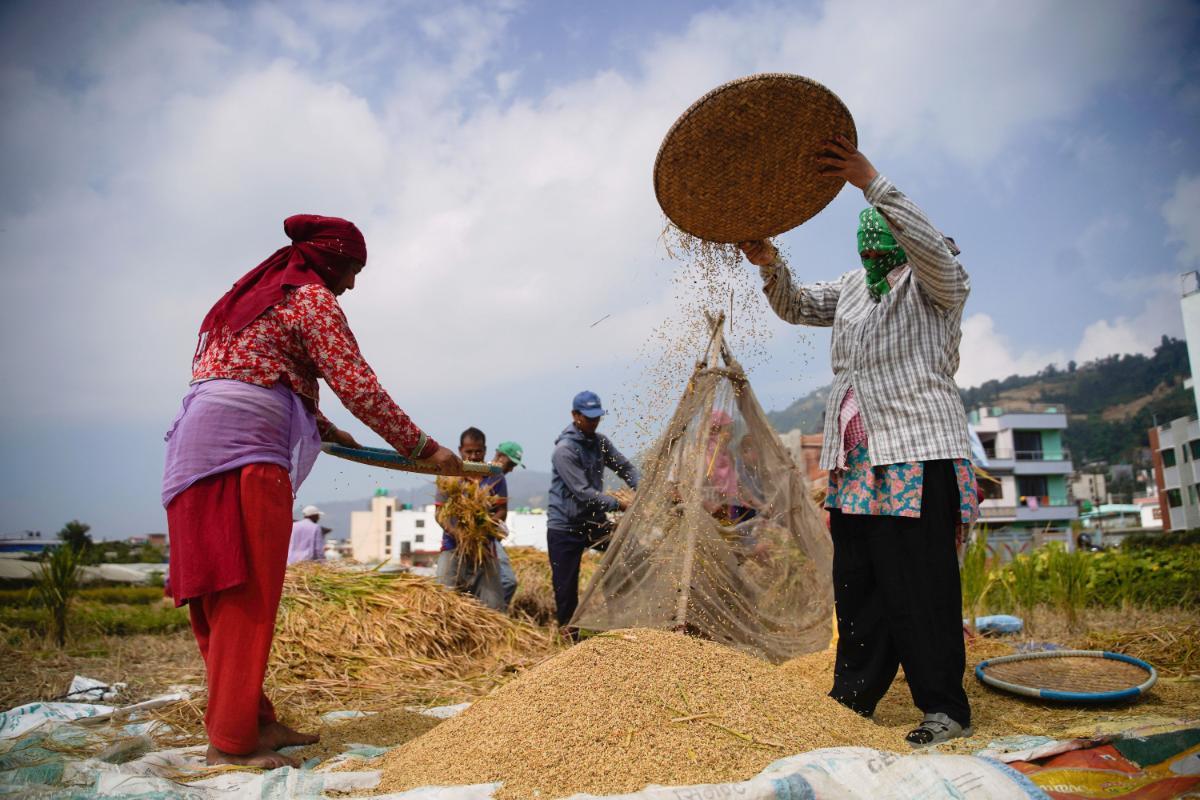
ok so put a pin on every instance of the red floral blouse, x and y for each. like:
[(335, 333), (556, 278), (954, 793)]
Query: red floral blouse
[(301, 339)]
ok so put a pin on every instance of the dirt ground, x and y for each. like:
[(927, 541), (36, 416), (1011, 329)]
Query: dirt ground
[(998, 714), (33, 669)]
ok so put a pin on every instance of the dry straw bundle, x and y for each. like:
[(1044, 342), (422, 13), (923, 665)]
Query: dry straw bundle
[(534, 599), (629, 708), (469, 504), (1173, 649), (369, 638)]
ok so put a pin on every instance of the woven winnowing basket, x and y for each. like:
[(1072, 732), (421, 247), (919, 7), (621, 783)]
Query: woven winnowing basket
[(740, 164), (1068, 674), (1087, 676)]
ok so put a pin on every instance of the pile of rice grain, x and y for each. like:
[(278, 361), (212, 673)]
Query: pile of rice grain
[(629, 708)]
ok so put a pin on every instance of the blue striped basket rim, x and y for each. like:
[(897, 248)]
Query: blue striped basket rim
[(1074, 697)]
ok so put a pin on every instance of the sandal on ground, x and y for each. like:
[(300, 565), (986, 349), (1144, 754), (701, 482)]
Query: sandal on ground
[(935, 729)]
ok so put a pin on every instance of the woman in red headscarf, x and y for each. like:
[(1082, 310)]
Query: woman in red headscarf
[(245, 439)]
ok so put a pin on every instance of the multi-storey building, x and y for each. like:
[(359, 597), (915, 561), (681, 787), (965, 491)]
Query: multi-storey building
[(401, 534), (395, 532), (1175, 449), (1090, 489), (1175, 446), (1025, 453)]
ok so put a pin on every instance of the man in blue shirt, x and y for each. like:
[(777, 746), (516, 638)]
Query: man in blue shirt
[(482, 580), (577, 517)]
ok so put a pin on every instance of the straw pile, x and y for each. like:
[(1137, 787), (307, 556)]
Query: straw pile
[(469, 504), (1173, 649), (534, 599), (625, 709), (367, 640)]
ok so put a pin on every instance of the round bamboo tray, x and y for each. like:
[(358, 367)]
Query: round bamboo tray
[(1079, 676), (740, 164)]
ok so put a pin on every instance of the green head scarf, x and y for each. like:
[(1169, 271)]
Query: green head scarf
[(874, 234)]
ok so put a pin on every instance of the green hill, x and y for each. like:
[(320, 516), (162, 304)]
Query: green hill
[(1112, 401)]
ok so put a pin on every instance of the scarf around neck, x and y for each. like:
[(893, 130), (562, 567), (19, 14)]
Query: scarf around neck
[(874, 234)]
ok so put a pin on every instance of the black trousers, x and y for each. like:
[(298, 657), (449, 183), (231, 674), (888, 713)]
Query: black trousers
[(899, 602), (566, 551)]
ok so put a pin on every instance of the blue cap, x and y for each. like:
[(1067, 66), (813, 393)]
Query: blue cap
[(588, 404)]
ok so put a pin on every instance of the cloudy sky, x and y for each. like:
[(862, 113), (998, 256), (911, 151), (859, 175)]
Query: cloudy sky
[(498, 158)]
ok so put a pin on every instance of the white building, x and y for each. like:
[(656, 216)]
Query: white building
[(394, 532), (401, 534), (1091, 487), (1025, 453), (1152, 518), (1175, 446)]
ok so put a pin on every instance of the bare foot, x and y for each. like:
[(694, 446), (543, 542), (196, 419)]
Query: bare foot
[(263, 758), (275, 735)]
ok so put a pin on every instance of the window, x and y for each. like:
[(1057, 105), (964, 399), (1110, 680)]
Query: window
[(420, 523), (1194, 446), (420, 537), (1174, 499), (1191, 495), (1032, 485), (1028, 445), (387, 510), (991, 490), (1168, 457), (387, 541), (387, 526)]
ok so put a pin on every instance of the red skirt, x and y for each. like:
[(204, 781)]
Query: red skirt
[(208, 532)]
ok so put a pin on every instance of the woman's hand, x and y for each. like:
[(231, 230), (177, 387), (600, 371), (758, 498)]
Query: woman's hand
[(760, 253), (843, 160), (338, 436), (446, 461)]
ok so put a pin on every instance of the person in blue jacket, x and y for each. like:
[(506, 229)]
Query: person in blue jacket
[(578, 505)]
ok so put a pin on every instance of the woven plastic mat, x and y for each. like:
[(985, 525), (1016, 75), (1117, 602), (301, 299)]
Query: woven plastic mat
[(740, 164)]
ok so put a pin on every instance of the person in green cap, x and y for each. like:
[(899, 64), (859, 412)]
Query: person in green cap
[(896, 445), (508, 457)]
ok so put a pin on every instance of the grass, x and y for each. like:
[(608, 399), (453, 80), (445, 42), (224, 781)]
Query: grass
[(93, 618), (977, 577), (128, 595)]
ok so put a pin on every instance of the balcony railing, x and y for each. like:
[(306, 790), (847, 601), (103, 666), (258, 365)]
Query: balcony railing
[(1020, 407), (1033, 501), (1004, 454), (1027, 503), (997, 511)]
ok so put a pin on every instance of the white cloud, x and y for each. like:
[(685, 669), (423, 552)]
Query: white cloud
[(987, 354), (1181, 213), (146, 190), (1140, 332)]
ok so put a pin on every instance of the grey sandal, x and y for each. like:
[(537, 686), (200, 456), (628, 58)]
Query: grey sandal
[(934, 729)]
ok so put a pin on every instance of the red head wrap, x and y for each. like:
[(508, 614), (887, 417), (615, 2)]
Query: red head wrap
[(323, 250)]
